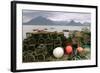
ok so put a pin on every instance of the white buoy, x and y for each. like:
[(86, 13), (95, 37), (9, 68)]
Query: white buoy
[(58, 52)]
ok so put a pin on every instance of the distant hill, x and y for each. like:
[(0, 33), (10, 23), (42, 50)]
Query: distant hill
[(40, 21), (60, 22), (86, 23), (72, 22), (44, 21)]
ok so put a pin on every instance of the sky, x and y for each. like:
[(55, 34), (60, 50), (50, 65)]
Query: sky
[(56, 16)]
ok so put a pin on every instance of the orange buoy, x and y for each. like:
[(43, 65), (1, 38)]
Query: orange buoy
[(79, 49)]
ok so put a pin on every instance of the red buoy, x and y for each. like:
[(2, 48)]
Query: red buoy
[(69, 49)]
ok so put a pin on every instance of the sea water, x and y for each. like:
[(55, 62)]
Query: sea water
[(30, 28)]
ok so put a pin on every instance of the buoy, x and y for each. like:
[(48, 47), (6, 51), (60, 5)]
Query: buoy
[(79, 49), (69, 49), (58, 52)]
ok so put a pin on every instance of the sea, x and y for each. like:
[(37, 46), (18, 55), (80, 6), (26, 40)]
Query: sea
[(30, 28)]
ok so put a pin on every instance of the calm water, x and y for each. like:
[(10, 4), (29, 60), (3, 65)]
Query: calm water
[(30, 28)]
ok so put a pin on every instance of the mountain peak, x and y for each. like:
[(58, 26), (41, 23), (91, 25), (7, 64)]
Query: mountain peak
[(40, 17), (40, 20), (72, 21)]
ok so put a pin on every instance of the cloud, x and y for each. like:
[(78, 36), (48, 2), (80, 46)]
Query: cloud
[(81, 17), (56, 16)]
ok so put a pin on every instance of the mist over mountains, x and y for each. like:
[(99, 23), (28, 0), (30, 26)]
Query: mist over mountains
[(40, 20)]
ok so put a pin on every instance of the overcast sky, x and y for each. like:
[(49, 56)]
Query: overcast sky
[(56, 16)]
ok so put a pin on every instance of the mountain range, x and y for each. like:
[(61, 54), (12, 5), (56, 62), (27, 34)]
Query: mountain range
[(44, 21)]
